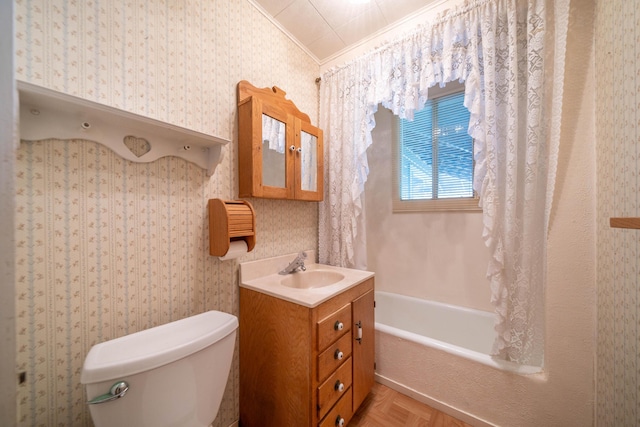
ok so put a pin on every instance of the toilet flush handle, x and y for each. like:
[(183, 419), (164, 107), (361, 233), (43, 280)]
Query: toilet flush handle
[(117, 390)]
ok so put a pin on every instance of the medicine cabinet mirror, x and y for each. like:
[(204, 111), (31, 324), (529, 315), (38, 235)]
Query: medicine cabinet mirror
[(279, 150)]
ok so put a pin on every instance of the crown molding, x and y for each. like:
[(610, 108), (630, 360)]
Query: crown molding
[(385, 34), (388, 33), (278, 25)]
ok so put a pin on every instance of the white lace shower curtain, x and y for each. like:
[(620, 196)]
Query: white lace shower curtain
[(510, 55)]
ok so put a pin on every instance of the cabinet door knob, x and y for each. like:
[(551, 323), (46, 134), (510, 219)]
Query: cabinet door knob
[(292, 148), (339, 386), (338, 355), (300, 150), (338, 326), (339, 421)]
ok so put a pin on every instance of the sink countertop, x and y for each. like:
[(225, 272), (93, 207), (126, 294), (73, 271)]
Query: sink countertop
[(262, 276)]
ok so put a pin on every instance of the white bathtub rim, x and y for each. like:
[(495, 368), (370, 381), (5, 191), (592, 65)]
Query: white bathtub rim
[(441, 304), (455, 350)]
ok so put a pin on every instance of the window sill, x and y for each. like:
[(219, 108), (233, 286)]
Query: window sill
[(439, 205)]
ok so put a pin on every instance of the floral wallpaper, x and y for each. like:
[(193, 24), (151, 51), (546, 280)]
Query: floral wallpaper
[(105, 246), (618, 193)]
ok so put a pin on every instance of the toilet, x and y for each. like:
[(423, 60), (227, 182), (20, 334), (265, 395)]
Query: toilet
[(173, 375)]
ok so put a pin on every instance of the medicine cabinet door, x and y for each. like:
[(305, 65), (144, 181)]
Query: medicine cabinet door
[(265, 159), (308, 162)]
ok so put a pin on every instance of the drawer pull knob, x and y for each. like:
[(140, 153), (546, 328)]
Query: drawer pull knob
[(338, 326), (338, 355), (339, 421), (339, 386)]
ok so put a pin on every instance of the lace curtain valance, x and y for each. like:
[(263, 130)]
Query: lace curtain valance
[(511, 60)]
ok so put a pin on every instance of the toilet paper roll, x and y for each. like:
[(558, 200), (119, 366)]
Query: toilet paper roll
[(236, 249)]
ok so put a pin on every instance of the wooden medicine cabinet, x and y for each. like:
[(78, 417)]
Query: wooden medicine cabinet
[(279, 151)]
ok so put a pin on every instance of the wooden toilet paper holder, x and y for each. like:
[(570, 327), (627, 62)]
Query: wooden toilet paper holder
[(230, 220)]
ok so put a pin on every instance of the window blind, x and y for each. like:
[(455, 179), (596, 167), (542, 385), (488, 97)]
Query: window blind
[(436, 153)]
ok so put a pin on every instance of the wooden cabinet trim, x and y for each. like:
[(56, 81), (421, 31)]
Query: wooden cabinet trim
[(273, 95), (326, 308)]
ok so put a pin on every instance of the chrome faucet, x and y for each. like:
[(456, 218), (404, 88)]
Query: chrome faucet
[(296, 264)]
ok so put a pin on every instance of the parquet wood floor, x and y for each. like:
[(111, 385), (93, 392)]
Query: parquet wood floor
[(385, 407)]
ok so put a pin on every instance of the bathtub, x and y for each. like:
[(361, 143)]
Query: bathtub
[(437, 352)]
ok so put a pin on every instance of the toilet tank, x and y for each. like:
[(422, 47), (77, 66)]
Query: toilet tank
[(176, 373)]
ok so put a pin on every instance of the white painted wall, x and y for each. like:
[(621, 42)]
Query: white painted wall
[(438, 256), (7, 191)]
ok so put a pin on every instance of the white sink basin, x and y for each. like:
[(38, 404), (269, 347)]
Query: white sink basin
[(311, 279), (308, 288)]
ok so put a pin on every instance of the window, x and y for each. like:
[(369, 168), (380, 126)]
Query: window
[(433, 165)]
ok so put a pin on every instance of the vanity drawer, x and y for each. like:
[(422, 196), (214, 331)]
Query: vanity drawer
[(334, 326), (334, 387), (328, 360), (342, 410)]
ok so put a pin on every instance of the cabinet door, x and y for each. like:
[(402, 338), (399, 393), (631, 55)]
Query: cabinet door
[(308, 160), (265, 157), (363, 351)]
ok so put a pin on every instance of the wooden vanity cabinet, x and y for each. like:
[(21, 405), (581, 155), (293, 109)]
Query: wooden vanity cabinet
[(280, 153), (303, 366)]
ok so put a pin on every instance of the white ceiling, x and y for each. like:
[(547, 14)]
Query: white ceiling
[(327, 27)]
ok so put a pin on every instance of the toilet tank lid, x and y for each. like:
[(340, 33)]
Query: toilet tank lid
[(154, 347)]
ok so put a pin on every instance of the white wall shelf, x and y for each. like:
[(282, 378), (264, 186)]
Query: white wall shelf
[(47, 114)]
